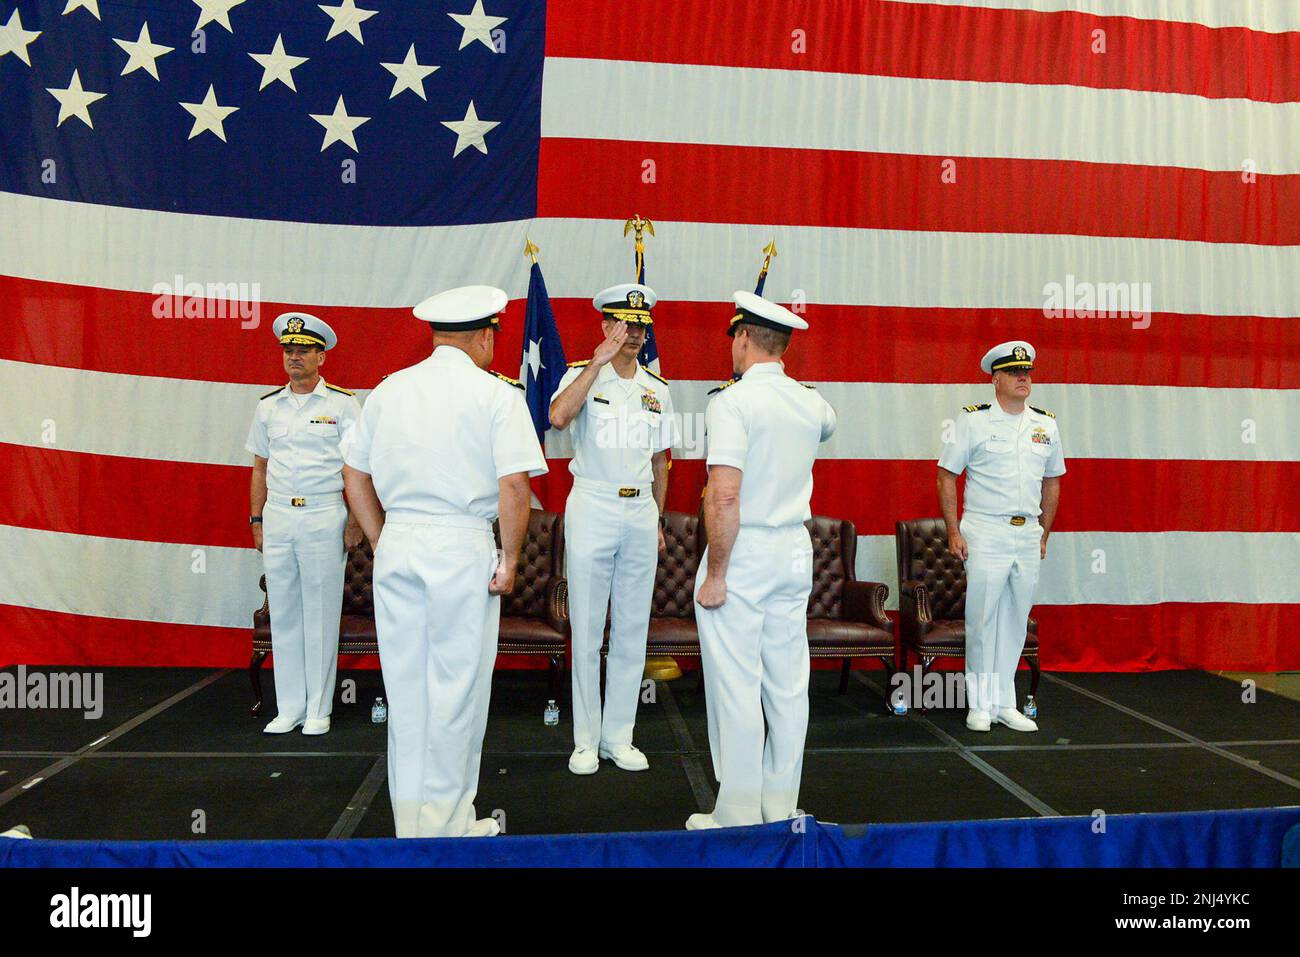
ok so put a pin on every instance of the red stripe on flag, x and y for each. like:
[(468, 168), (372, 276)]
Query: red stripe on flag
[(109, 331), (937, 42), (602, 179), (1216, 636), (116, 497)]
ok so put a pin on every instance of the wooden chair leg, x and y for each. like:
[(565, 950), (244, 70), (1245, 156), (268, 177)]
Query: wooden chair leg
[(553, 678), (926, 665), (255, 676), (846, 666)]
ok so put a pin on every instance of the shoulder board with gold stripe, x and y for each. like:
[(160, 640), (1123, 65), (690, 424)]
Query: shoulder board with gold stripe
[(722, 386), (334, 388), (807, 386), (1050, 415), (509, 381), (271, 393), (975, 408), (656, 375), (579, 364)]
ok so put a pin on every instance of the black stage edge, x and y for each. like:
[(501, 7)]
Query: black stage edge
[(176, 756)]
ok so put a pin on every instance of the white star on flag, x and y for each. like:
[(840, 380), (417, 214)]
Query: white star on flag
[(209, 115), (216, 11), (74, 101), (142, 53), (535, 356), (278, 65), (14, 39), (347, 18), (91, 5), (470, 131), (477, 25), (339, 126), (409, 74)]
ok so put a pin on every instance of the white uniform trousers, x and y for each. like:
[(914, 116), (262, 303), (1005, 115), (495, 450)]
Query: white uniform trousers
[(755, 656), (437, 626), (611, 552), (304, 559), (1001, 573)]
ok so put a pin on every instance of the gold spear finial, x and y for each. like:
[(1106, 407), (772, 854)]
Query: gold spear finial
[(769, 253), (531, 249), (638, 225)]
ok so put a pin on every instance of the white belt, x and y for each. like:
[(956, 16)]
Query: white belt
[(613, 490), (400, 516), (318, 500)]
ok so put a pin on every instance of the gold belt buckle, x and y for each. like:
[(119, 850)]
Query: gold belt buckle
[(1017, 520), (629, 492), (297, 502)]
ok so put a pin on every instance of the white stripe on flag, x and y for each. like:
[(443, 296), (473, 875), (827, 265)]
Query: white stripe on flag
[(1271, 16), (64, 242), (804, 109), (191, 421), (147, 581)]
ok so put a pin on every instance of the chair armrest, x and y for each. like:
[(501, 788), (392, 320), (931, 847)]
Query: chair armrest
[(914, 601), (865, 602), (557, 604)]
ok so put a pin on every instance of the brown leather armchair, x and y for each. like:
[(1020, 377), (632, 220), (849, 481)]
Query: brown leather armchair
[(846, 617), (534, 618), (932, 599)]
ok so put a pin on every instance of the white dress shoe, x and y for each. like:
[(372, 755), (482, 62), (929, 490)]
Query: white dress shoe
[(583, 761), (626, 756), (484, 827), (977, 721), (701, 822), (282, 725), (316, 726), (1014, 720)]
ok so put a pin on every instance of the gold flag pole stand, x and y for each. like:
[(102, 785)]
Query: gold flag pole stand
[(659, 668)]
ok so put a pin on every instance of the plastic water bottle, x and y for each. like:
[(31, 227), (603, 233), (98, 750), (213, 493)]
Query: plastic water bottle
[(899, 704), (551, 716), (1031, 707), (378, 712)]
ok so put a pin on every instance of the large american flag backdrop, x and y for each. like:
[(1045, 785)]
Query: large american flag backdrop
[(928, 171)]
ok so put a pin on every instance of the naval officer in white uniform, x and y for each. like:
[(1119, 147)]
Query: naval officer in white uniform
[(443, 448), (620, 415), (300, 522), (751, 593), (1012, 456)]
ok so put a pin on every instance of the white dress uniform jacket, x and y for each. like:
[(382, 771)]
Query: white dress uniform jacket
[(435, 439), (755, 647), (1005, 458), (302, 539), (611, 540)]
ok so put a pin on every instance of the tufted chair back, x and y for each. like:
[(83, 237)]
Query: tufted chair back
[(358, 599), (835, 546), (538, 559), (674, 594), (923, 556)]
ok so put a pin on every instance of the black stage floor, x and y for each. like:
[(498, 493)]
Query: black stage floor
[(176, 756)]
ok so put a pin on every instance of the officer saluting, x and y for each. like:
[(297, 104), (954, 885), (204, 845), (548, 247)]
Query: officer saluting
[(300, 523), (751, 593), (443, 447), (622, 424), (1011, 453)]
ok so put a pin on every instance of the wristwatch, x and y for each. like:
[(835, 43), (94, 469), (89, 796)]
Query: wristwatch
[(255, 520)]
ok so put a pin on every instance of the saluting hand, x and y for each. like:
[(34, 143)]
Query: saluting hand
[(608, 349), (713, 593)]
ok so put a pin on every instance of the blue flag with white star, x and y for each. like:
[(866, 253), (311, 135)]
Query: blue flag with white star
[(649, 354), (542, 366)]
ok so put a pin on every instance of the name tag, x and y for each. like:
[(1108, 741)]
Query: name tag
[(602, 401)]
